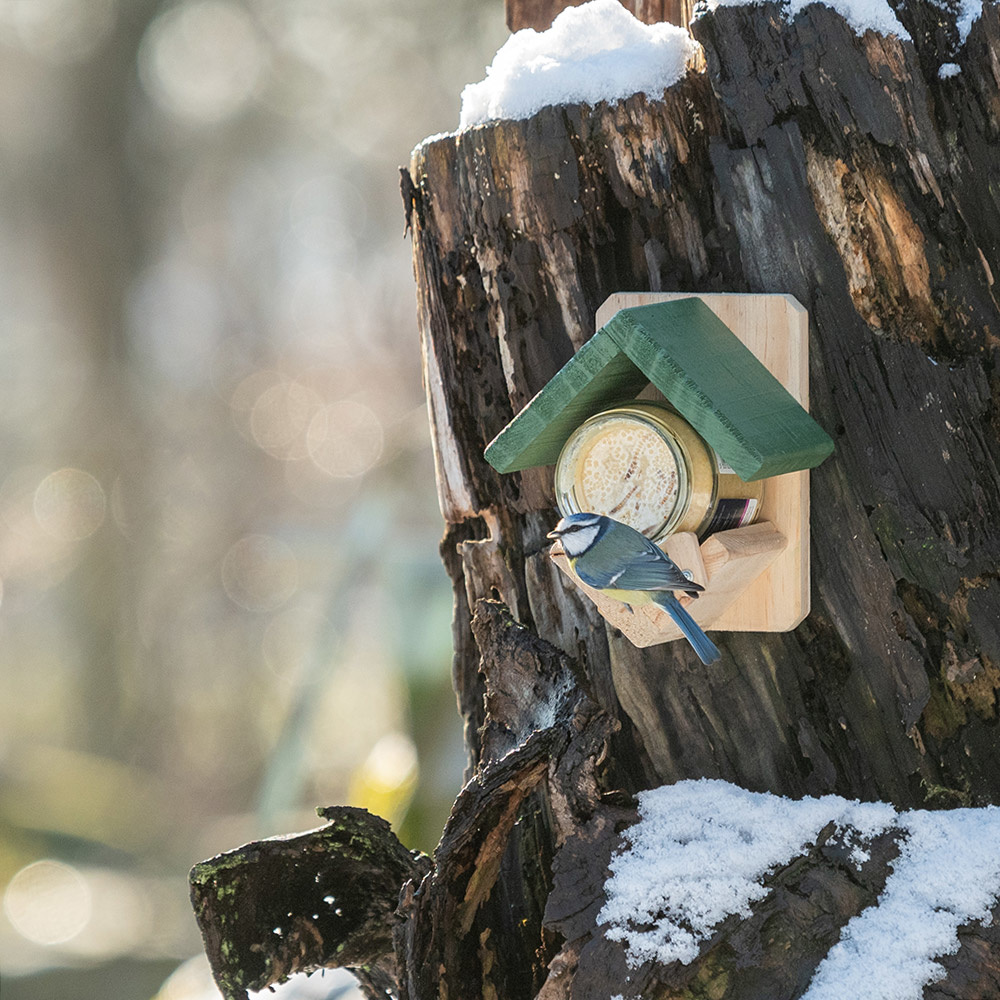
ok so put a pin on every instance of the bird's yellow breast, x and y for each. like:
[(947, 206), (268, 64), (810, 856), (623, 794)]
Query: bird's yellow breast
[(634, 598), (631, 597)]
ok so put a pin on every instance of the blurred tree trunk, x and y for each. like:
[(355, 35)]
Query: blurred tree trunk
[(806, 160), (94, 203)]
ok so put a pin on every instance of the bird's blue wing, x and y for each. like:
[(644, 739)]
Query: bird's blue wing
[(631, 562), (653, 573)]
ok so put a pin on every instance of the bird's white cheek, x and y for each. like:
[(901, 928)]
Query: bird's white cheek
[(578, 542)]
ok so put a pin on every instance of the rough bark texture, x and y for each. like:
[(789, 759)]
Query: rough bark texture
[(329, 897), (534, 784), (808, 160), (296, 904), (539, 14)]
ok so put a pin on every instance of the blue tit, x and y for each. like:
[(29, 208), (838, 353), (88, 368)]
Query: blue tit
[(623, 563)]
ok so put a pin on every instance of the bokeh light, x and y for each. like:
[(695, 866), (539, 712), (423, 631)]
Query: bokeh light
[(202, 60), (260, 573), (281, 416), (69, 504), (313, 30), (345, 439), (386, 780), (61, 31), (212, 421), (48, 902), (122, 916), (245, 395), (41, 528)]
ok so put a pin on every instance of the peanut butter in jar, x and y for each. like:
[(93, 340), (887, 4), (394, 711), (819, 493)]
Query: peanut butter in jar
[(643, 464)]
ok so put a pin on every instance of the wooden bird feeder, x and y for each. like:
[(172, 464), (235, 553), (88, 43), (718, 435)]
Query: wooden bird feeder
[(736, 368)]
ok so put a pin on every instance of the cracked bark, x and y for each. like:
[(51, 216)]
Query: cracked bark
[(805, 159), (809, 160)]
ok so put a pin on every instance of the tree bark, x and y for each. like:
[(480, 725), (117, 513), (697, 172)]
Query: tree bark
[(539, 14), (810, 160), (806, 159), (297, 904)]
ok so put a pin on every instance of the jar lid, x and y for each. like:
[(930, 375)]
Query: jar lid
[(626, 465)]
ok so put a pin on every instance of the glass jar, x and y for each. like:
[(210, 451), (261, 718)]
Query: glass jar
[(644, 464)]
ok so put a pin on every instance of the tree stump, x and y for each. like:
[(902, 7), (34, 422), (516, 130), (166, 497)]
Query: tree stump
[(539, 14), (807, 159)]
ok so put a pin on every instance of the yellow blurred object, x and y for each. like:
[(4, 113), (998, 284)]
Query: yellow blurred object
[(385, 782), (81, 795)]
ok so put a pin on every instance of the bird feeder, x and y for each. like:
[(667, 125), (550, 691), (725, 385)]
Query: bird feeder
[(735, 368)]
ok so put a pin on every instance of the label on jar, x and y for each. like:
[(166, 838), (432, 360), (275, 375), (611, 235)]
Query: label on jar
[(731, 514), (723, 466)]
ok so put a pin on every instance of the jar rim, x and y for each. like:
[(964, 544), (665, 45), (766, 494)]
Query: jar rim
[(637, 410)]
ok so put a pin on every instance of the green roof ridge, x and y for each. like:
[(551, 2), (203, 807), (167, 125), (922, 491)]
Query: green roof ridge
[(703, 369)]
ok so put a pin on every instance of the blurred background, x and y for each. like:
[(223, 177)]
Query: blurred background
[(222, 603)]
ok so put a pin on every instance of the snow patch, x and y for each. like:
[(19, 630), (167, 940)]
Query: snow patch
[(966, 13), (861, 15), (947, 874), (868, 15), (699, 854), (595, 52), (949, 70), (970, 12), (599, 52), (701, 850)]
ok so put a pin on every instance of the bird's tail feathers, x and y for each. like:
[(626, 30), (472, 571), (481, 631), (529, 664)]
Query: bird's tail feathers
[(707, 651)]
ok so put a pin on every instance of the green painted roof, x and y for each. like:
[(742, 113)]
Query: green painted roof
[(702, 368)]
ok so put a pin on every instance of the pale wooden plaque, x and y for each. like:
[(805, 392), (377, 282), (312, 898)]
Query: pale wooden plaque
[(762, 580)]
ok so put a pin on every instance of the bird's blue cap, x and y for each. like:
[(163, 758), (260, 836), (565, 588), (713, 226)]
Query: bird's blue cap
[(573, 521)]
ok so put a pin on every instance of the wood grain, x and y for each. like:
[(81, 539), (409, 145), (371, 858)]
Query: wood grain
[(776, 329)]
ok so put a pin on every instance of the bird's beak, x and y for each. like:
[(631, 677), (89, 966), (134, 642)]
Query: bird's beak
[(554, 534)]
